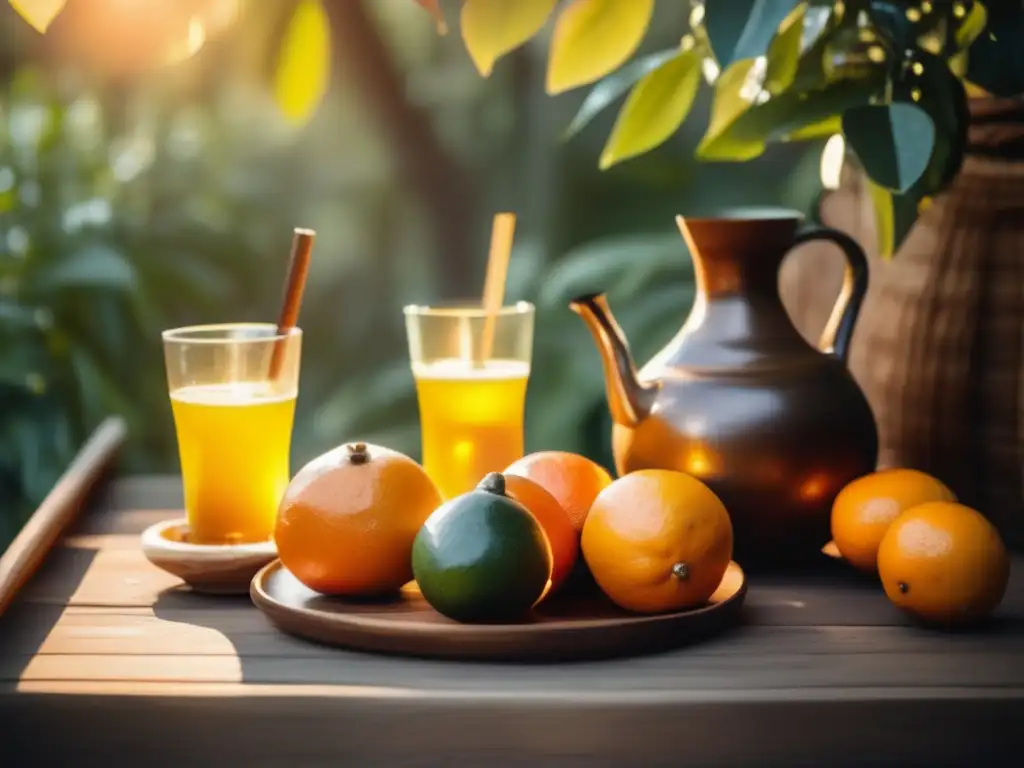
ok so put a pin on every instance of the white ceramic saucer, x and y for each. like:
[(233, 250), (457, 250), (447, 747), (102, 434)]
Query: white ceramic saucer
[(214, 569)]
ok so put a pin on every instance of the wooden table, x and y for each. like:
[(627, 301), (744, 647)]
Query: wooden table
[(104, 660)]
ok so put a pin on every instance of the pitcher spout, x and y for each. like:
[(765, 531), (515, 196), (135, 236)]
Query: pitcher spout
[(629, 401)]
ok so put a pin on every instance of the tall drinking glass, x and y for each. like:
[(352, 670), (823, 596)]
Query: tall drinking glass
[(472, 394), (234, 424)]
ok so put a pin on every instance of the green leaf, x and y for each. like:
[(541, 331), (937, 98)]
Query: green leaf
[(39, 13), (735, 92), (784, 52), (614, 86), (820, 27), (891, 20), (893, 142), (972, 26), (606, 264), (895, 216), (761, 27), (23, 364), (592, 38), (302, 72), (822, 129), (94, 266), (493, 28), (743, 29), (742, 122), (14, 315), (724, 23), (931, 85), (655, 109)]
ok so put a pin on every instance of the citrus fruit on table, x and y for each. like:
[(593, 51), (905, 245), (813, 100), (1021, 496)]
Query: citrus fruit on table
[(482, 557), (554, 520), (944, 563), (348, 520), (572, 479), (657, 540), (866, 507)]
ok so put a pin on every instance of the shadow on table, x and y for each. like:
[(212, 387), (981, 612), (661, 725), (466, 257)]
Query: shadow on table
[(831, 596), (28, 622)]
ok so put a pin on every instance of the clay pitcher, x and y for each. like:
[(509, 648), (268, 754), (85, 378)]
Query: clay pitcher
[(738, 398)]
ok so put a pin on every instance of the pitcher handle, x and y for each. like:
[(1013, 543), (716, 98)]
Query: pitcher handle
[(838, 333)]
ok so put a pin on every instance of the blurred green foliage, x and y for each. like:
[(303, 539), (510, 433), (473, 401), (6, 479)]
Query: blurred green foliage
[(130, 207)]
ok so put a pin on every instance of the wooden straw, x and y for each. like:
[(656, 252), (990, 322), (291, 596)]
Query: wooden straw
[(295, 284), (502, 233)]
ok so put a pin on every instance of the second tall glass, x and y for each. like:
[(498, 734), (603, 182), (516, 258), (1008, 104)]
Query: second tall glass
[(471, 379)]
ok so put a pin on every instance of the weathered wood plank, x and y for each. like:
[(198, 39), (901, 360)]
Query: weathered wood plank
[(782, 670), (116, 575), (233, 630), (788, 727)]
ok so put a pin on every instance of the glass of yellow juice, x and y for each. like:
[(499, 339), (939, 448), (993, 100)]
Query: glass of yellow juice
[(233, 389), (471, 373)]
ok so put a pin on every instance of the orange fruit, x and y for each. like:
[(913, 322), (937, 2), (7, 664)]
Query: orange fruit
[(657, 540), (572, 479), (944, 563), (562, 536), (866, 507), (348, 520)]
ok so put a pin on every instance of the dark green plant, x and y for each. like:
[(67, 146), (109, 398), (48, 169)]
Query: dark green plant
[(82, 288)]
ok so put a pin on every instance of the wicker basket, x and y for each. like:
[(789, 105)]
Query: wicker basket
[(939, 348)]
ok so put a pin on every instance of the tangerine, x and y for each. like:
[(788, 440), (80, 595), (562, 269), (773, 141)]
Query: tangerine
[(657, 540), (348, 519), (561, 535), (943, 562), (867, 506), (572, 479)]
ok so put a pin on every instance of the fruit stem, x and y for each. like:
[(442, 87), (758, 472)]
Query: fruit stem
[(681, 571), (493, 482), (357, 454)]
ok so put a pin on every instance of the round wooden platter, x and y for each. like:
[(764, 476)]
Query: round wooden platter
[(576, 627)]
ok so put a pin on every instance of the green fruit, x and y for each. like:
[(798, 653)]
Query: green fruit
[(482, 557)]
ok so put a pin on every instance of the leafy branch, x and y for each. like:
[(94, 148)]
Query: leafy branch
[(891, 76)]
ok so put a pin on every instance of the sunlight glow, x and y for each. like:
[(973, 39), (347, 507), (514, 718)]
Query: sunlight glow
[(832, 158)]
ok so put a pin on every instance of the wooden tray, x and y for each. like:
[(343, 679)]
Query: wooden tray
[(568, 628)]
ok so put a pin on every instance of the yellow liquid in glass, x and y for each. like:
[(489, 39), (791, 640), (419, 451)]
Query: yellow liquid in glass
[(234, 441), (471, 419)]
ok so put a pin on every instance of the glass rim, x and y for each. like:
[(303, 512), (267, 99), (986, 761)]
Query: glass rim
[(466, 309), (207, 334)]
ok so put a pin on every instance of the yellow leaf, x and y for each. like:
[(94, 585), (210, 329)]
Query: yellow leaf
[(303, 66), (39, 13), (594, 37), (493, 28), (895, 216), (655, 108), (735, 92), (975, 91)]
